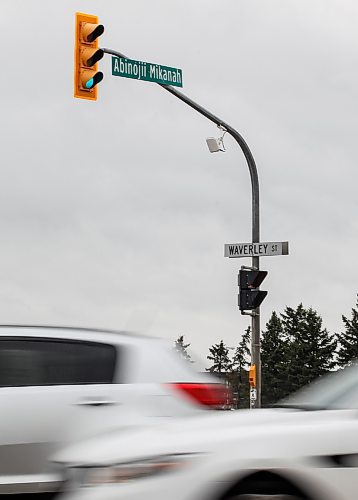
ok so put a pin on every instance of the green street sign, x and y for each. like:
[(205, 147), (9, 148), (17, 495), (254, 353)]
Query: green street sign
[(139, 70)]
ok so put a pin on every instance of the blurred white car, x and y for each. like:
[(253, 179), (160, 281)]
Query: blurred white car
[(58, 385), (307, 450)]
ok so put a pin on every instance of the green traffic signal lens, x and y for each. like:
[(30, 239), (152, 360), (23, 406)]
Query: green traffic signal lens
[(92, 82)]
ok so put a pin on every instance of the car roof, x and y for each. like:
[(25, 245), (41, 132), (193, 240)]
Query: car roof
[(75, 333)]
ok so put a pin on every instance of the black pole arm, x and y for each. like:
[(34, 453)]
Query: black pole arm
[(230, 130)]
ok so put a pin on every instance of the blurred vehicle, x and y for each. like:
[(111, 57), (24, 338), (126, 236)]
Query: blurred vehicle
[(58, 385), (306, 449)]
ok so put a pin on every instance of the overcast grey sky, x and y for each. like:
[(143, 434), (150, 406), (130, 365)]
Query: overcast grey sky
[(113, 213)]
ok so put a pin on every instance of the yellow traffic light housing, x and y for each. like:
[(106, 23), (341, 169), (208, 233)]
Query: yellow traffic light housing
[(252, 376), (87, 55)]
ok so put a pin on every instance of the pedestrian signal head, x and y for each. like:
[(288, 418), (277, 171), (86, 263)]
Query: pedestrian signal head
[(87, 55), (252, 376), (250, 297)]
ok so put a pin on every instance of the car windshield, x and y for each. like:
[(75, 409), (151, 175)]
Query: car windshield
[(333, 391)]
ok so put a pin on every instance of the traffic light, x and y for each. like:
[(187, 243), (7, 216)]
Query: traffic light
[(87, 55), (249, 281), (252, 376)]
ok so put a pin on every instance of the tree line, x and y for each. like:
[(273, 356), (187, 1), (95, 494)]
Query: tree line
[(295, 350)]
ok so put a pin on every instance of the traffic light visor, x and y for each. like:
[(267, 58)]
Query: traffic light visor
[(251, 299), (251, 279), (90, 31), (89, 79), (89, 57)]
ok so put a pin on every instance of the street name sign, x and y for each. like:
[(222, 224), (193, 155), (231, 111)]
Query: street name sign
[(139, 70), (269, 248)]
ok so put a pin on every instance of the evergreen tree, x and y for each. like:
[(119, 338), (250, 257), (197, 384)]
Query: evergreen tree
[(273, 362), (242, 354), (181, 347), (310, 348), (295, 350), (239, 378), (348, 340), (219, 355)]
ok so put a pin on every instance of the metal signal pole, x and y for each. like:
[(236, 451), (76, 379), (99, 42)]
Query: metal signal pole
[(255, 342)]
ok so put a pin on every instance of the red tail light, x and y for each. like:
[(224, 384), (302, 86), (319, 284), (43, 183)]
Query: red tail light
[(215, 396)]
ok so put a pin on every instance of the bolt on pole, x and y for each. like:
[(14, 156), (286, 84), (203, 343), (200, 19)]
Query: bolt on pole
[(255, 343)]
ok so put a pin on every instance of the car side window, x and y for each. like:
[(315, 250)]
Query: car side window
[(38, 362), (349, 399)]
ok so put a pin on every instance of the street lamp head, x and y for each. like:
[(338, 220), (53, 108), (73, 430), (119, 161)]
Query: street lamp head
[(215, 145)]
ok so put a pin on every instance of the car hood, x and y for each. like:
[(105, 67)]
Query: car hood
[(199, 434)]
